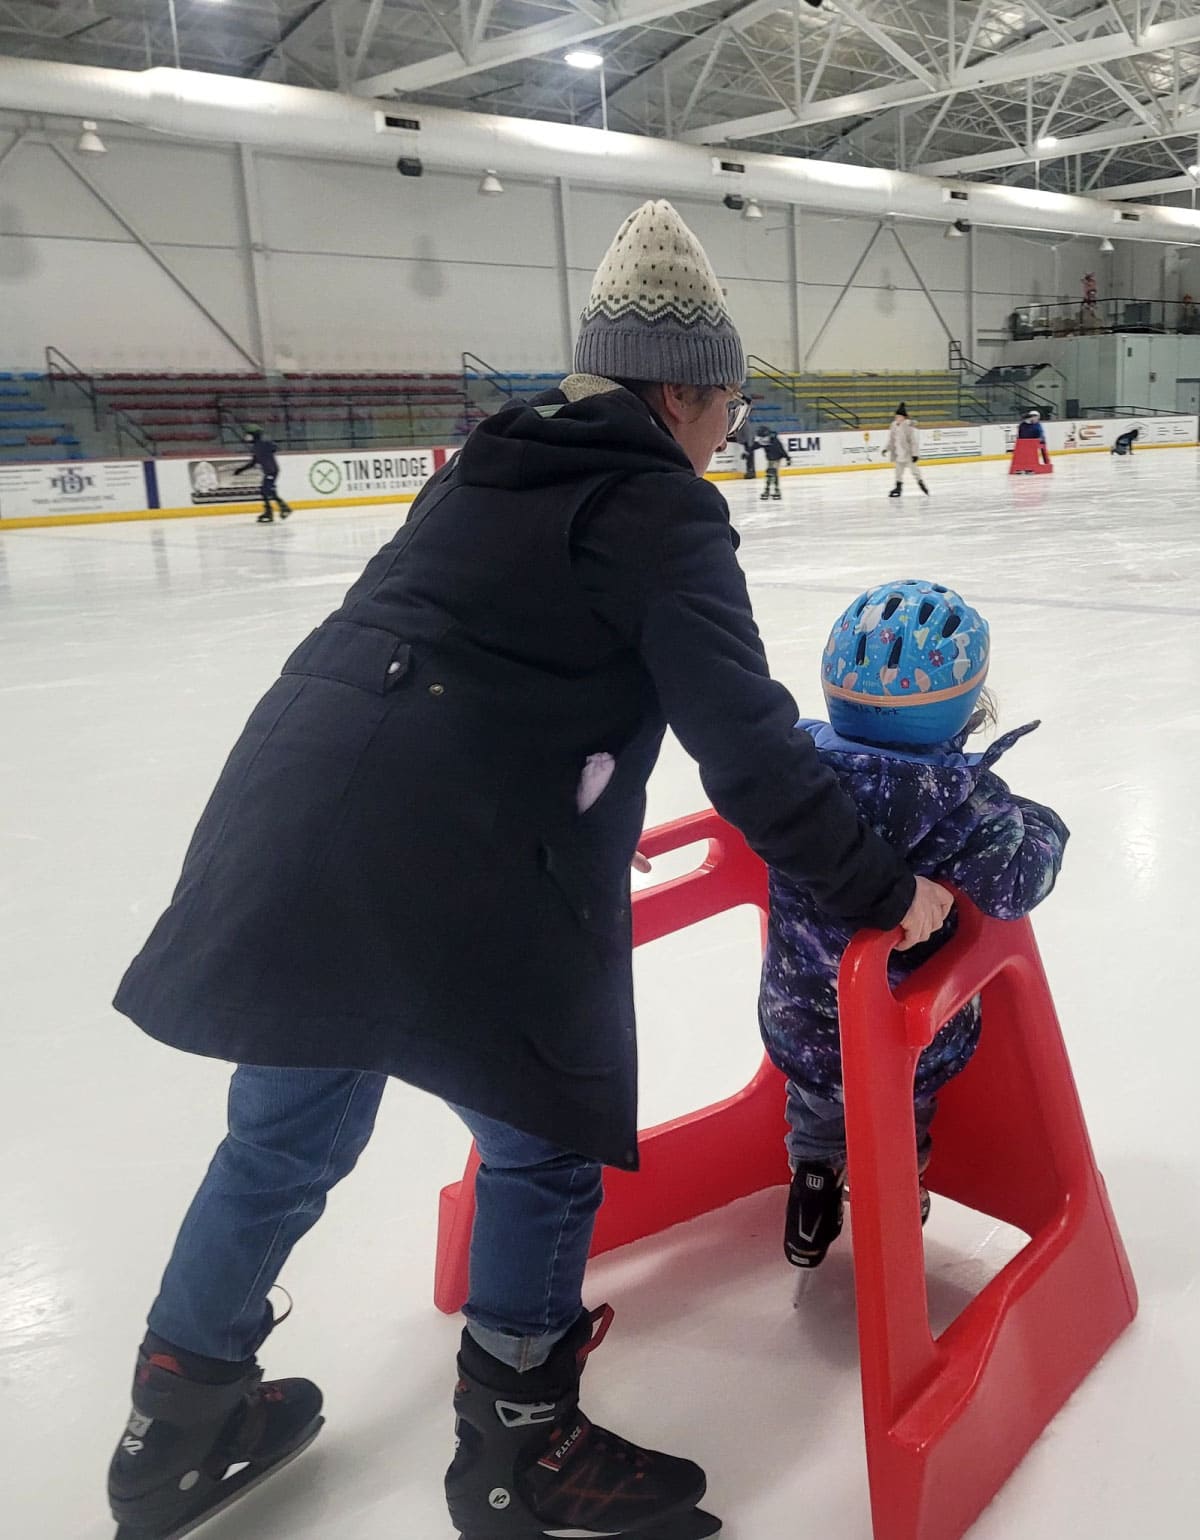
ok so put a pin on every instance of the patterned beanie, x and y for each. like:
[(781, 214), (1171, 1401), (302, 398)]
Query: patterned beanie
[(656, 311)]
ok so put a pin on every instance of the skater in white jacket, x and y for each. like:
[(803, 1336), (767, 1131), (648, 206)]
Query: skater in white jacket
[(902, 447)]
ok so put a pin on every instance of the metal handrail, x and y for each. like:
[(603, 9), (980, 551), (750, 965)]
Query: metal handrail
[(282, 410), (85, 383), (958, 362), (476, 368), (1118, 313), (802, 404), (1130, 411), (835, 409)]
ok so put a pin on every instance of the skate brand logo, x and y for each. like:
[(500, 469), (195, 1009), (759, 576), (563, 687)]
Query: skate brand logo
[(558, 1456), (135, 1433)]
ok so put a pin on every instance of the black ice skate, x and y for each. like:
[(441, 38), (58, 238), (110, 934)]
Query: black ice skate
[(528, 1462), (191, 1448), (895, 492), (816, 1203), (265, 518), (922, 486), (816, 1207)]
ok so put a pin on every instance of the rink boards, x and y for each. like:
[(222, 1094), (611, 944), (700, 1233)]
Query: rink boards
[(38, 495)]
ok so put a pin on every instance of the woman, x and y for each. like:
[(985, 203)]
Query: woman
[(415, 863)]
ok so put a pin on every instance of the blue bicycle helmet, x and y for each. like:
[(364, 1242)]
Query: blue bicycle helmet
[(905, 664)]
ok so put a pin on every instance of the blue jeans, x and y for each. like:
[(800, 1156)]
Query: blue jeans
[(817, 1128), (294, 1134)]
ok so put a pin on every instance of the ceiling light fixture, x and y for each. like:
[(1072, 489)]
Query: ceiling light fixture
[(89, 141), (1107, 247), (753, 210), (1047, 142), (585, 59), (1194, 170), (491, 186), (958, 229)]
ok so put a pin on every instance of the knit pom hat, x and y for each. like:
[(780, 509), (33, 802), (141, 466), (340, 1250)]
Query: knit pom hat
[(656, 311)]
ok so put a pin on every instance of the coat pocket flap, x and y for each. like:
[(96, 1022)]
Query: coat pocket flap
[(362, 656)]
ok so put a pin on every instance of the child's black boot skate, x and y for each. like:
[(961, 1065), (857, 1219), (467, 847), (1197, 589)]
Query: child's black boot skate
[(265, 518), (922, 486), (201, 1433), (528, 1463), (896, 490), (816, 1203)]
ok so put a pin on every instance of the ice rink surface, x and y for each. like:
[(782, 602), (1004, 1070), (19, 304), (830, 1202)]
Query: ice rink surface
[(129, 658)]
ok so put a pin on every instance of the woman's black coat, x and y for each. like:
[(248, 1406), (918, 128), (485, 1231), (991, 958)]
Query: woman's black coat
[(392, 873)]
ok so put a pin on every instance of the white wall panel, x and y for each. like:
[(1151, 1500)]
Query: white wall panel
[(106, 305), (369, 270), (372, 211), (374, 313)]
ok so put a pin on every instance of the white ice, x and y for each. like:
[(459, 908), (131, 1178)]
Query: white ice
[(129, 657)]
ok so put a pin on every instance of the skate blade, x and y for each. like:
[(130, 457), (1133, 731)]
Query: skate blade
[(695, 1524), (231, 1490)]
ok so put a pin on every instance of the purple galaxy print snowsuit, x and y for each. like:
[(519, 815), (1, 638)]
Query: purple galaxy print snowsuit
[(951, 818)]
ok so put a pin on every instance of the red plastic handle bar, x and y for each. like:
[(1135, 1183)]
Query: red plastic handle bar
[(692, 830), (978, 951)]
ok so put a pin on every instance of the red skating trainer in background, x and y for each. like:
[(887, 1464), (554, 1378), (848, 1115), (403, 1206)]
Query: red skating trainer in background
[(1030, 456)]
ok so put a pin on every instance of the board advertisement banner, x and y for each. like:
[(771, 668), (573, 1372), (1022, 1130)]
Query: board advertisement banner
[(944, 443), (334, 476), (54, 489)]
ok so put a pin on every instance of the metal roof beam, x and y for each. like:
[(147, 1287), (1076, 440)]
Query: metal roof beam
[(1152, 189), (525, 43), (1002, 69), (696, 47), (1131, 132), (885, 41)]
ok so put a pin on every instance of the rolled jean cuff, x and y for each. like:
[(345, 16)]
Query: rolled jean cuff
[(519, 1353)]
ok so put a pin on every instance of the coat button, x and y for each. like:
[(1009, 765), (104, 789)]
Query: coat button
[(585, 913), (393, 668), (437, 689)]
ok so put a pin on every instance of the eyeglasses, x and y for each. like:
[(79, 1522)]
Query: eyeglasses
[(738, 408)]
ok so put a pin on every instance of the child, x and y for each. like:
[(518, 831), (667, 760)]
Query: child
[(902, 450), (903, 674), (769, 442), (1124, 442), (262, 454), (1031, 426)]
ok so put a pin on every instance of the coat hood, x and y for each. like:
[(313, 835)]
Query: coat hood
[(906, 794), (587, 427)]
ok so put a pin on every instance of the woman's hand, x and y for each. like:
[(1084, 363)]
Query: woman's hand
[(640, 863), (926, 914)]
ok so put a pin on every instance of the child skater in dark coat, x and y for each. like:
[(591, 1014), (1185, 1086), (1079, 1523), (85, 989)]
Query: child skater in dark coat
[(903, 674), (262, 454), (771, 444)]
